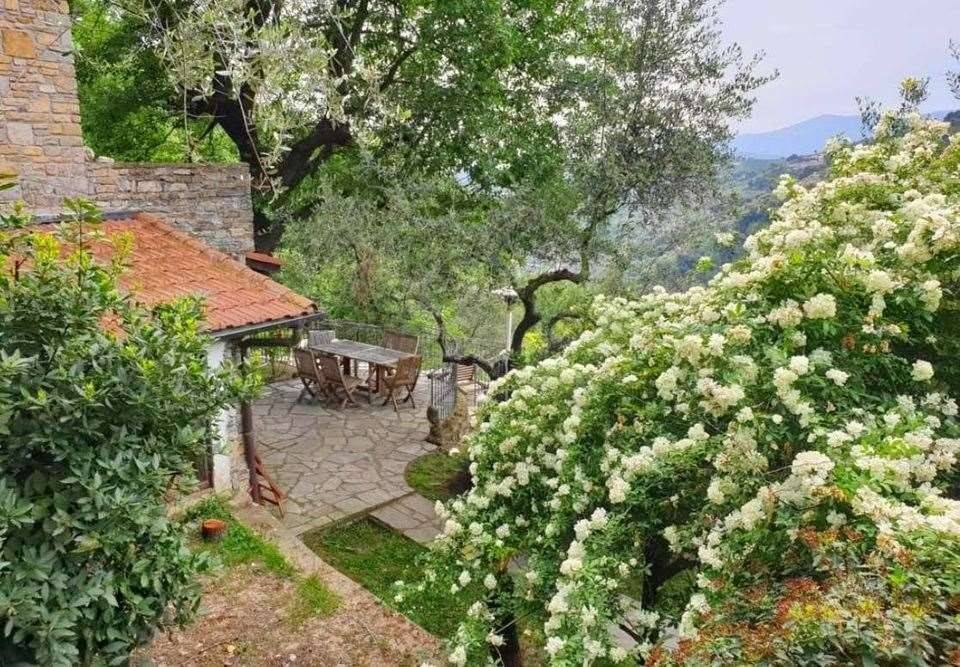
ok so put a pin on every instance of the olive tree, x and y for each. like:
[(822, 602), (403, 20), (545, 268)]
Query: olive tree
[(438, 85), (645, 117)]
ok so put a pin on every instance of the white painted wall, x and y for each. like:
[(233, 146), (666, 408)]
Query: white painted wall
[(225, 424)]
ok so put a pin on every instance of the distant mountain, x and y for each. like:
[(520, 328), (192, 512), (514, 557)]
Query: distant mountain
[(803, 138), (665, 251)]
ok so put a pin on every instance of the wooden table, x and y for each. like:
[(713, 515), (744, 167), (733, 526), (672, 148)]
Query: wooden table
[(376, 356)]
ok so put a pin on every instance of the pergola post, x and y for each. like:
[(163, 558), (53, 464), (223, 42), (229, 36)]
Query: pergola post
[(248, 434), (247, 430), (250, 448)]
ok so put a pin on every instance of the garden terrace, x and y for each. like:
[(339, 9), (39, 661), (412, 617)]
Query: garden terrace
[(339, 463)]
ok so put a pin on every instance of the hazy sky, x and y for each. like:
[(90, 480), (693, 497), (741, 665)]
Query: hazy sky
[(829, 51)]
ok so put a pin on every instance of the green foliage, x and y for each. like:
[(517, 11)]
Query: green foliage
[(430, 83), (377, 558), (127, 100), (387, 249), (673, 594), (104, 407)]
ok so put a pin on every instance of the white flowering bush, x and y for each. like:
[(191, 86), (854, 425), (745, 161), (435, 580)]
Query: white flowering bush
[(784, 438)]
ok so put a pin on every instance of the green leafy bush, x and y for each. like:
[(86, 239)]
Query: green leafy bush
[(104, 407), (787, 436)]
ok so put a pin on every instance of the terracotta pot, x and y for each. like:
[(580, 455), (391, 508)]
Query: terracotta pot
[(213, 529)]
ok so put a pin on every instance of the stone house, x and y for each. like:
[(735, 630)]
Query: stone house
[(191, 224)]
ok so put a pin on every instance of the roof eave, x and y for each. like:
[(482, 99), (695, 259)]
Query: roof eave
[(246, 329)]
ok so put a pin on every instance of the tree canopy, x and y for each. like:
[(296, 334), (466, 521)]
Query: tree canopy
[(500, 92), (440, 85), (640, 120)]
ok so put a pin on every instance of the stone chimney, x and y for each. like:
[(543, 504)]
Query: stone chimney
[(42, 143), (40, 137)]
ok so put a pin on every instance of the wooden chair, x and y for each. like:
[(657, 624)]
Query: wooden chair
[(405, 376), (401, 342), (467, 375), (320, 336), (336, 381), (269, 491), (314, 382), (396, 340)]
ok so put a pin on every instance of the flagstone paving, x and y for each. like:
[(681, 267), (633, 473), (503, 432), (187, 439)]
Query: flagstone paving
[(411, 515), (334, 464)]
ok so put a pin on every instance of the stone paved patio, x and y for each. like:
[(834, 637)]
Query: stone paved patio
[(413, 516), (335, 464)]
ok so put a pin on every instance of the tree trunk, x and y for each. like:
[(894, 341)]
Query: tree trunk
[(528, 297)]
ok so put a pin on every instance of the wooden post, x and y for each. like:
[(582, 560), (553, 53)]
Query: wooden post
[(250, 448), (249, 438)]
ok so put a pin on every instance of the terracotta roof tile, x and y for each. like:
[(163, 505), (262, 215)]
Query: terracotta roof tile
[(263, 258), (166, 263)]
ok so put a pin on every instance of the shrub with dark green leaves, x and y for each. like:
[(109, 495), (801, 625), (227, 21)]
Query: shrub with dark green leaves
[(104, 407)]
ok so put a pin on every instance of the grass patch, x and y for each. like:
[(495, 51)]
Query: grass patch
[(241, 545), (438, 476), (375, 557), (313, 599)]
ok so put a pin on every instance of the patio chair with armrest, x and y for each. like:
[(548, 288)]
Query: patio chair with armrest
[(314, 382), (320, 336), (401, 342), (405, 376), (337, 381), (467, 375)]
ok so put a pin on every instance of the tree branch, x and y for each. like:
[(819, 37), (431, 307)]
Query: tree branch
[(528, 297), (554, 276), (325, 137), (462, 359), (390, 77), (345, 42)]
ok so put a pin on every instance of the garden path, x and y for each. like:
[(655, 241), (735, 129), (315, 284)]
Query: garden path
[(335, 464)]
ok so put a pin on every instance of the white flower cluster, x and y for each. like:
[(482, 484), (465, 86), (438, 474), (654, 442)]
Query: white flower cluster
[(713, 416)]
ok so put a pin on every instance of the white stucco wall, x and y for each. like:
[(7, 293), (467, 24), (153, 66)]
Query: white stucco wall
[(225, 447)]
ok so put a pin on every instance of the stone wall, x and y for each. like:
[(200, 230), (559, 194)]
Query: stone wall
[(209, 202), (41, 142), (40, 137)]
